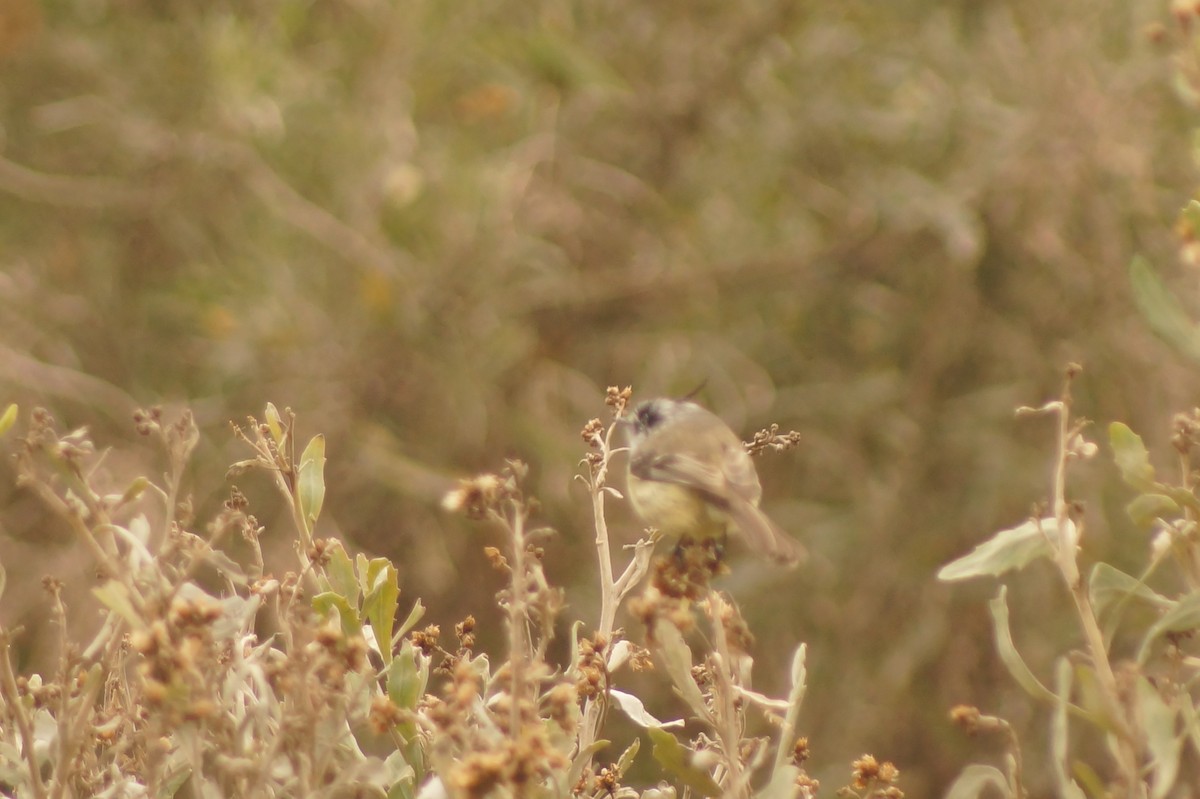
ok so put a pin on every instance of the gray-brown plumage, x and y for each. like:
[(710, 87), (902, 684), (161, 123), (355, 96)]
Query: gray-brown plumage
[(689, 475)]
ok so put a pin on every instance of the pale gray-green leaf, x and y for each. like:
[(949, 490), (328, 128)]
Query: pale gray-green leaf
[(1183, 616), (782, 784), (677, 658), (676, 759), (633, 708), (274, 424), (626, 758), (787, 731), (1008, 651), (1162, 310), (1131, 456), (1006, 551), (114, 595), (1110, 588), (1145, 509), (312, 480), (1060, 733), (1158, 720), (975, 780)]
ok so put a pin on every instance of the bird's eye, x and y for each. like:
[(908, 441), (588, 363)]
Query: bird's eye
[(648, 416)]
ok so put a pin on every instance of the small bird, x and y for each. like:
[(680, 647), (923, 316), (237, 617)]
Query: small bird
[(689, 475)]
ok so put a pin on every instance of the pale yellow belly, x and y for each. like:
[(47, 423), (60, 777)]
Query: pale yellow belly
[(676, 511)]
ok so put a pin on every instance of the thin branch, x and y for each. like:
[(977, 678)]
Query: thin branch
[(8, 689)]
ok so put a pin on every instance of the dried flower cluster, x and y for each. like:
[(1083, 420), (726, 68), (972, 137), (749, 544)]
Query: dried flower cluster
[(771, 439), (873, 779)]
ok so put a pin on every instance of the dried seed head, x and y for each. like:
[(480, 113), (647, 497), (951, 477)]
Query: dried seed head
[(593, 433), (808, 786), (384, 715), (426, 640), (866, 769), (496, 559), (966, 716), (465, 632), (769, 438), (475, 497), (319, 552), (562, 707), (800, 751), (618, 399)]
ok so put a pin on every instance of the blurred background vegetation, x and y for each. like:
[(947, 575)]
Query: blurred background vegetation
[(437, 232)]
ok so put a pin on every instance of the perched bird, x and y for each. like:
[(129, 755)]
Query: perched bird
[(689, 475)]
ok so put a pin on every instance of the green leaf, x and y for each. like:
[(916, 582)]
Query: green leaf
[(782, 784), (339, 573), (407, 677), (135, 489), (633, 708), (361, 566), (1108, 586), (380, 604), (583, 758), (415, 615), (312, 480), (227, 566), (401, 789), (1182, 496), (626, 758), (677, 760), (274, 424), (1006, 551), (787, 731), (1146, 508), (1131, 456), (1008, 651), (1158, 720), (115, 596), (174, 780), (328, 601), (1183, 616), (237, 615), (677, 659), (1162, 310), (1093, 705), (974, 780), (573, 647), (9, 418), (1092, 783), (1060, 732), (402, 775)]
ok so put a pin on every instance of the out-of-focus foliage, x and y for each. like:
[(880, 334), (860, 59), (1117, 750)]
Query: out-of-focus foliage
[(441, 229)]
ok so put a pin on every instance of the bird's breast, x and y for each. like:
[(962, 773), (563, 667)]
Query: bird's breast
[(676, 510)]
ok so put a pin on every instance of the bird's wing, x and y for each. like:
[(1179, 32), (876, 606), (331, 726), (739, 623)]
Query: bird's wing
[(737, 479), (740, 475), (680, 470)]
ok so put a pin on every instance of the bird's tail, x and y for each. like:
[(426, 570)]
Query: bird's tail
[(764, 537)]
